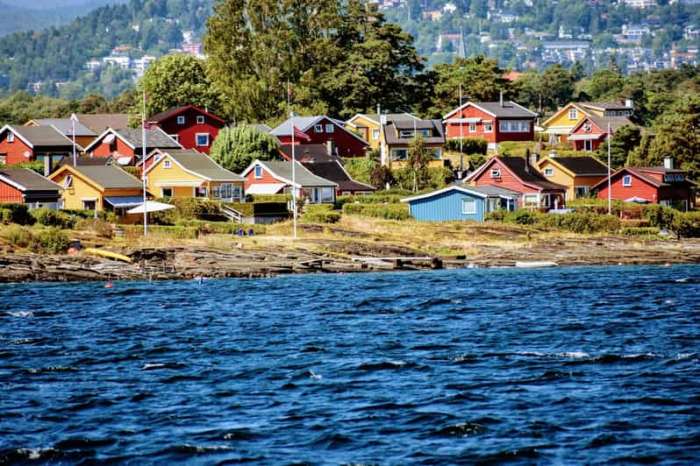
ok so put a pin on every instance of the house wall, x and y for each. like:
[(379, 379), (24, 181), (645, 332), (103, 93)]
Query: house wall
[(506, 181), (348, 144), (452, 130), (103, 149), (561, 123), (160, 177), (14, 151), (187, 133), (366, 127), (559, 176), (639, 188), (266, 178), (446, 207), (81, 189), (10, 194)]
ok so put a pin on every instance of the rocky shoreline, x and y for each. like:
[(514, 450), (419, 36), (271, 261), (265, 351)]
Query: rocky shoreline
[(179, 263)]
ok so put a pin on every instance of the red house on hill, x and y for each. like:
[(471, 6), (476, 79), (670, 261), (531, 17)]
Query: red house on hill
[(519, 175), (191, 126), (650, 185), (322, 130), (592, 131), (20, 144), (494, 121), (125, 146)]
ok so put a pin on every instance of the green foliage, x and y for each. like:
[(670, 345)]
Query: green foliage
[(468, 145), (623, 142), (53, 218), (193, 208), (278, 198), (640, 231), (361, 169), (575, 222), (100, 227), (220, 228), (320, 213), (15, 213), (386, 211), (686, 224), (17, 235), (51, 241), (659, 216), (256, 208), (603, 84), (235, 148), (176, 80)]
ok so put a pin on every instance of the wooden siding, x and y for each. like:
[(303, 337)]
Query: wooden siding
[(347, 143), (365, 127), (187, 133), (452, 130), (10, 194), (445, 207), (266, 178), (14, 151), (639, 188), (105, 150)]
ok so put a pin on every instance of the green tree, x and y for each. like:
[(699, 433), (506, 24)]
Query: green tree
[(176, 80), (235, 148), (602, 84), (624, 140), (416, 169)]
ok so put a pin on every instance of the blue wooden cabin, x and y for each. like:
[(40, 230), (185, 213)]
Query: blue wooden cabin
[(459, 202)]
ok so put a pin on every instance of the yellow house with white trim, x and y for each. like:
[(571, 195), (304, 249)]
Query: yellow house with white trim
[(578, 174), (188, 173), (559, 125)]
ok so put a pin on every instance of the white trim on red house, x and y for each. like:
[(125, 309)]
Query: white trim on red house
[(16, 133), (486, 164), (98, 139)]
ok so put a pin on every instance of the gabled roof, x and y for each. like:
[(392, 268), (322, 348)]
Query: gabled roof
[(616, 122), (197, 164), (307, 153), (304, 123), (393, 129), (334, 171), (564, 109), (162, 116), (132, 137), (578, 166), (39, 136), (99, 122), (509, 109), (389, 117), (639, 172), (104, 176), (520, 169), (25, 179), (479, 191), (605, 106), (63, 125), (282, 171)]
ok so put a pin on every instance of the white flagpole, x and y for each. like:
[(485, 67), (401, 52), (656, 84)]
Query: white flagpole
[(461, 134), (73, 119), (143, 165), (294, 178), (609, 174)]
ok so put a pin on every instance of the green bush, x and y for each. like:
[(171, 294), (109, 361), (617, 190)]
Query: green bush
[(658, 215), (440, 177), (193, 208), (282, 198), (469, 145), (640, 231), (386, 211), (523, 217), (581, 222), (15, 213), (686, 224), (495, 216), (320, 213), (361, 168), (17, 236), (387, 197), (102, 228), (53, 218), (51, 241)]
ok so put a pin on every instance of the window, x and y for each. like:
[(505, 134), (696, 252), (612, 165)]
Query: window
[(436, 153), (318, 128), (167, 164), (3, 159), (327, 194), (472, 127), (176, 137), (573, 114), (406, 133), (468, 206), (10, 137), (627, 180), (89, 205), (200, 192), (330, 128), (587, 127), (375, 134), (181, 120), (399, 154), (258, 171), (200, 119), (581, 191), (226, 191), (549, 171), (530, 199), (514, 126), (166, 192), (68, 181), (202, 140), (488, 127), (495, 173)]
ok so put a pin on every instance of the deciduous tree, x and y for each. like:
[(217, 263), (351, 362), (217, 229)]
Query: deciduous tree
[(235, 148)]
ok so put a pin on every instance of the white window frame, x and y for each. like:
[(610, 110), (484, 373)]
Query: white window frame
[(627, 181), (181, 120), (472, 127), (318, 129), (196, 140), (549, 171), (496, 173), (488, 127), (573, 114), (167, 164), (375, 134), (10, 137), (468, 206), (530, 199), (258, 172), (162, 192), (68, 182), (200, 119), (395, 156), (176, 137), (581, 191), (330, 128)]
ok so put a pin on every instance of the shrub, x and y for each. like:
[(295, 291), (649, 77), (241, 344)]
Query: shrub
[(361, 168), (15, 213), (522, 217), (686, 224), (17, 236), (320, 213), (387, 211), (279, 198), (495, 216), (387, 197), (53, 218), (440, 177), (100, 227), (640, 231), (658, 215), (193, 208), (469, 145), (51, 241), (582, 222)]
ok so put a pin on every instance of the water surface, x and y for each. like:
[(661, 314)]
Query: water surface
[(568, 366)]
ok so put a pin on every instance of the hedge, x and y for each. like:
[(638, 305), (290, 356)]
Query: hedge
[(15, 213), (469, 145), (686, 224), (250, 209), (49, 241), (320, 213), (640, 231), (53, 218), (386, 211)]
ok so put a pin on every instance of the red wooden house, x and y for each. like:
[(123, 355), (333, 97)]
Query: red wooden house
[(322, 130), (592, 131), (125, 146), (191, 126), (519, 175), (276, 176), (650, 185), (25, 186), (20, 144), (494, 121)]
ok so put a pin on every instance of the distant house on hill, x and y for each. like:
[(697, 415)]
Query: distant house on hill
[(399, 134), (191, 126), (83, 134), (20, 144), (25, 186), (495, 122), (125, 146), (321, 130)]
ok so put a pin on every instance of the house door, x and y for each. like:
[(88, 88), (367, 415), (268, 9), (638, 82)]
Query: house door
[(588, 145)]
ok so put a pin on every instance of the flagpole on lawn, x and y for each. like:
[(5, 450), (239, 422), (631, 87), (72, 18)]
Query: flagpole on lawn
[(461, 134), (609, 174), (143, 164), (294, 163), (73, 119)]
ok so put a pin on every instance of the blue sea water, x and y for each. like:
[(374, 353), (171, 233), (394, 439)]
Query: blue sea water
[(580, 365)]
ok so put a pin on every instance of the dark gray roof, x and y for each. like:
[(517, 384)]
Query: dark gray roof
[(585, 165), (109, 176), (303, 177), (43, 136), (65, 126), (609, 105), (28, 179), (155, 138), (202, 165), (393, 128), (101, 121), (389, 116), (615, 121), (509, 109), (307, 153), (528, 174), (333, 171)]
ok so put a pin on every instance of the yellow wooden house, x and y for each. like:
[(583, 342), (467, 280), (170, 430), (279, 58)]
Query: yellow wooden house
[(98, 187), (368, 126), (560, 125), (578, 174), (188, 173)]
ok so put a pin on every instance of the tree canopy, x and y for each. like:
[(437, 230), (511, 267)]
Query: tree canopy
[(235, 148)]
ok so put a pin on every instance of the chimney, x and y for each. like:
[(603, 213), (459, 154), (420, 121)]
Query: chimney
[(501, 99), (668, 163), (629, 103)]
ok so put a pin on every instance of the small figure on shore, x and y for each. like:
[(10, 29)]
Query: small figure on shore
[(109, 284)]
